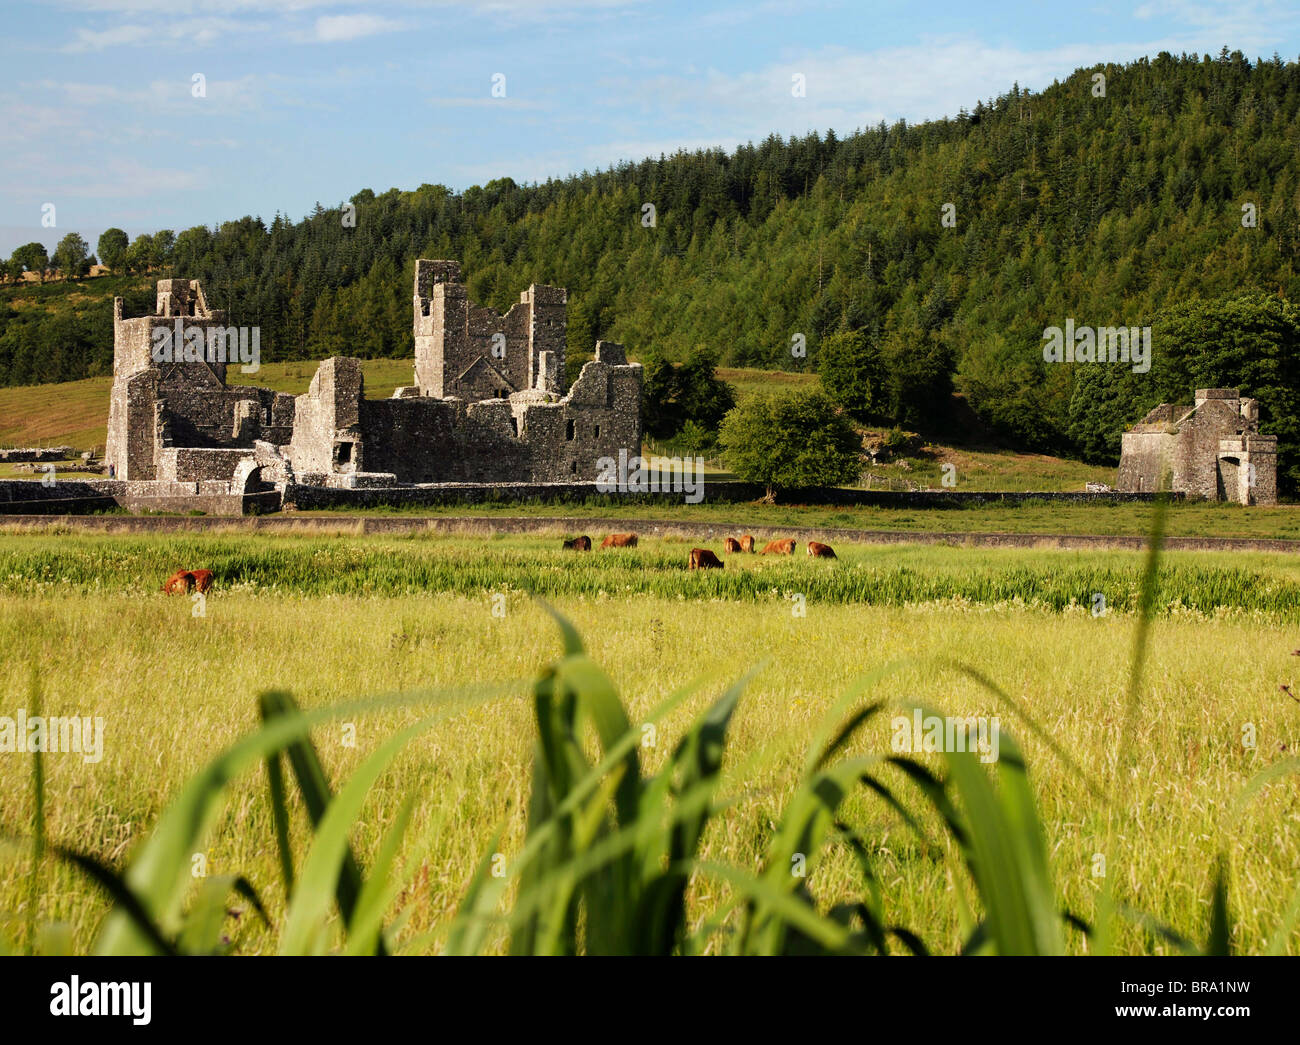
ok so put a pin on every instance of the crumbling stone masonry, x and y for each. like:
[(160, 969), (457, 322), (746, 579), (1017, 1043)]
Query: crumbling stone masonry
[(1211, 450), (33, 454), (180, 421), (474, 353), (488, 404)]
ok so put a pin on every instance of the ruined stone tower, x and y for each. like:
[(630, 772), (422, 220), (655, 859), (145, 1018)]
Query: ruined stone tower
[(175, 418), (473, 352)]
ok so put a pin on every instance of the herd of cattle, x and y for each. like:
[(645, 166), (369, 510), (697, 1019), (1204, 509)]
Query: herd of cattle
[(182, 582), (703, 558)]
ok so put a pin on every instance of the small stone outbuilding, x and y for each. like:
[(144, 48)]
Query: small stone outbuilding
[(1212, 450)]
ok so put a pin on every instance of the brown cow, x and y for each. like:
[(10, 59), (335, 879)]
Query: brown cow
[(730, 544), (820, 551), (179, 583), (579, 544), (202, 580), (619, 540), (703, 559), (747, 544), (784, 547)]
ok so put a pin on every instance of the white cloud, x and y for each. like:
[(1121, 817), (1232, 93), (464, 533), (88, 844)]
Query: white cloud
[(198, 23), (196, 32), (339, 28), (159, 97)]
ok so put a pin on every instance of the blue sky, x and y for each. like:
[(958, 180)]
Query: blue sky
[(312, 100)]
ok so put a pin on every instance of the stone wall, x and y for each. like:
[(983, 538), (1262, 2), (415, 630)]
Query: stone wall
[(1197, 452), (589, 494), (1247, 469), (1262, 452), (414, 439), (234, 416), (473, 352), (1211, 450), (327, 419), (184, 403), (600, 415), (75, 496), (1144, 458), (67, 496), (190, 464), (483, 410), (533, 436), (32, 453), (134, 429)]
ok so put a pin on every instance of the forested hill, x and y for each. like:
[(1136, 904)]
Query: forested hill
[(1108, 210)]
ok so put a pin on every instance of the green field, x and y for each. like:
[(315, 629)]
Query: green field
[(1194, 519), (335, 618), (421, 564)]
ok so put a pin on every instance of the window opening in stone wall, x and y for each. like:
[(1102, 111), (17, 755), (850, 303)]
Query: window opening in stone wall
[(570, 429)]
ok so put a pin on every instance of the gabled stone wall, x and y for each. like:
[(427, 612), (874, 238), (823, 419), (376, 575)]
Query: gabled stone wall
[(157, 405), (472, 351)]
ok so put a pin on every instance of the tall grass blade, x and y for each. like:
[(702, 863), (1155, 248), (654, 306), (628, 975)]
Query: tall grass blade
[(329, 870), (1218, 942), (377, 892), (38, 815), (125, 901), (159, 871), (314, 787), (478, 908), (1007, 853), (280, 816)]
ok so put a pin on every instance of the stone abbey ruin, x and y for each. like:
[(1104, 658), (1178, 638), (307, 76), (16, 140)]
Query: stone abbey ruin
[(1211, 449), (488, 406), (487, 417)]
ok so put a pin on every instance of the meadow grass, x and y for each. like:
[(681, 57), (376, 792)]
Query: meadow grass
[(175, 689), (1203, 582)]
